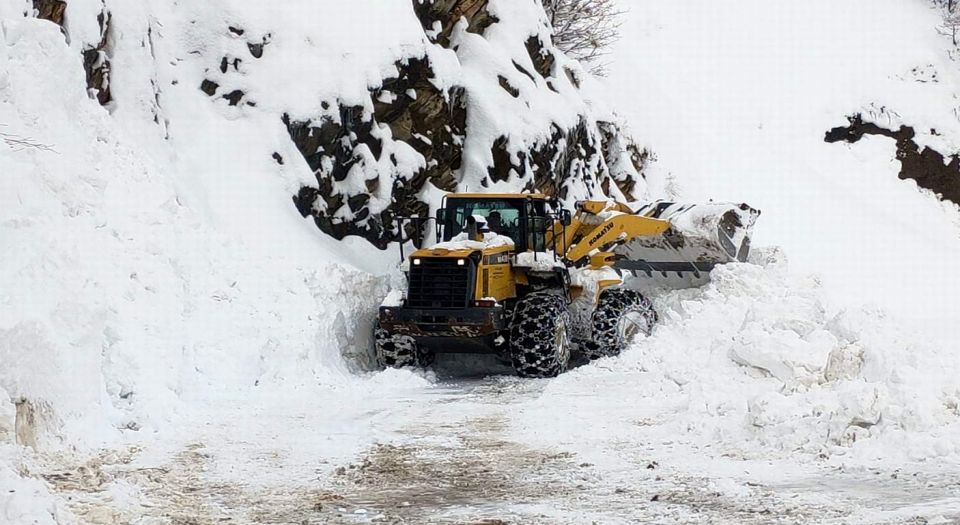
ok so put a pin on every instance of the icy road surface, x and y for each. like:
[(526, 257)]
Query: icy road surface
[(446, 455)]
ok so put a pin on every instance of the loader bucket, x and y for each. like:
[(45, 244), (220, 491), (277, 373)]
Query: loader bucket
[(701, 236)]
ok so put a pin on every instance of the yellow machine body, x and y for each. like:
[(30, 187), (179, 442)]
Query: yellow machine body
[(463, 292)]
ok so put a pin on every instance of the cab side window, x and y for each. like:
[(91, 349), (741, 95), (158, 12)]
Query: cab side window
[(537, 226)]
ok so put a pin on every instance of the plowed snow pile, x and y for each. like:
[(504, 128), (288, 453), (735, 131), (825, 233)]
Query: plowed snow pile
[(758, 364), (859, 361)]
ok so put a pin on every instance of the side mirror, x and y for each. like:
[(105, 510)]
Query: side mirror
[(565, 217), (441, 215)]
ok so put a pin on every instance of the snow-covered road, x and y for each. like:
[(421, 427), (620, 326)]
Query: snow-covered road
[(754, 401), (448, 452)]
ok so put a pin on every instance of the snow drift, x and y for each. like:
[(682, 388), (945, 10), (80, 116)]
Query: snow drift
[(759, 362), (851, 353), (145, 264)]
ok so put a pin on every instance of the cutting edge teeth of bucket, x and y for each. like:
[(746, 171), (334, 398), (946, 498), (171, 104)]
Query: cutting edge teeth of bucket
[(700, 237)]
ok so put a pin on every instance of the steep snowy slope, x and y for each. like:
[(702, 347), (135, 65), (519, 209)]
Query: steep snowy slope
[(130, 278), (736, 100)]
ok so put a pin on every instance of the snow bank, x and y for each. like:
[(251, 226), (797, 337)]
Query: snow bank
[(759, 362), (152, 255), (25, 500)]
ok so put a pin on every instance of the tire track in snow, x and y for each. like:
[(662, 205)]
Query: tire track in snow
[(450, 469), (449, 460)]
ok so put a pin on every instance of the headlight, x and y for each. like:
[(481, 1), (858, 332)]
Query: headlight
[(416, 262), (461, 262)]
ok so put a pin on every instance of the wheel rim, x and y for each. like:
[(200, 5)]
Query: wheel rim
[(630, 324), (561, 348)]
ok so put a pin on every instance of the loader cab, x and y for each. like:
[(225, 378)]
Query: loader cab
[(522, 218)]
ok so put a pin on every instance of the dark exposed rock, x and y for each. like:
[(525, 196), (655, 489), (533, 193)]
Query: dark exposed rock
[(502, 166), (96, 62), (928, 167), (439, 17), (277, 157), (524, 71), (505, 84), (432, 122), (52, 10), (226, 63), (612, 144), (96, 57), (350, 141), (256, 48), (572, 77), (236, 30), (209, 87), (429, 120), (543, 59), (234, 97), (552, 165)]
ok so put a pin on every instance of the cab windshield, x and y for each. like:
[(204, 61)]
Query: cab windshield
[(508, 217)]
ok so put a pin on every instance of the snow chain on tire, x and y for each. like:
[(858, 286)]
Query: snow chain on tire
[(620, 315), (398, 351), (539, 336)]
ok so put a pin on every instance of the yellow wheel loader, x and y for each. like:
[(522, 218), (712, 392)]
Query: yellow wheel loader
[(516, 275)]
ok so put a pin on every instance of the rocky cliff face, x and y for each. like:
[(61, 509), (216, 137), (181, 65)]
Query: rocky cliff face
[(576, 156), (96, 58), (924, 165), (389, 104), (431, 121)]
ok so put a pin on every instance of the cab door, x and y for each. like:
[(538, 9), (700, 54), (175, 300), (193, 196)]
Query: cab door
[(496, 279)]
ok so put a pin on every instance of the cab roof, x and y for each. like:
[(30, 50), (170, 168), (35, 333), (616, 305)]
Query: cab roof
[(534, 196)]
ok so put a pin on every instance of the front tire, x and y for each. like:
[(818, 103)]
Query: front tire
[(539, 336), (398, 351), (619, 317)]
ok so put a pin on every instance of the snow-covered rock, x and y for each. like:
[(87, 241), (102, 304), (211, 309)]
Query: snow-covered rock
[(475, 97)]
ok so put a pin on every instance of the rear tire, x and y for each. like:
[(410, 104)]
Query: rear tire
[(398, 351), (539, 336), (620, 315)]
